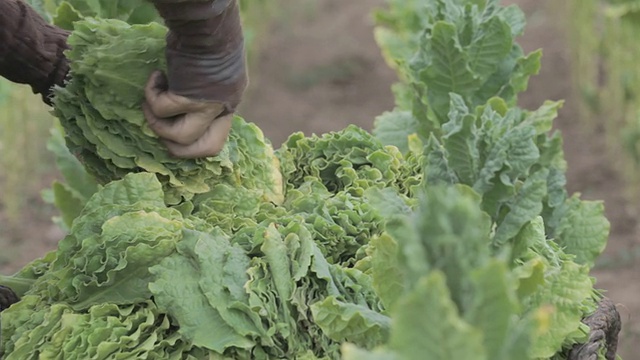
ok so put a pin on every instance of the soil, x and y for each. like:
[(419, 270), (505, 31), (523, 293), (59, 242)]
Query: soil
[(320, 70)]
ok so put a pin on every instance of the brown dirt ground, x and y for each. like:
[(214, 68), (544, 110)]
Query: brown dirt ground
[(320, 70)]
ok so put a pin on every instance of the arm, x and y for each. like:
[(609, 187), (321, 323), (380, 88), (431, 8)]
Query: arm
[(191, 110), (206, 77), (31, 51)]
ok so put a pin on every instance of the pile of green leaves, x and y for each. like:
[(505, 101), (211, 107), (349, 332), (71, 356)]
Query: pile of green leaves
[(237, 276), (259, 292), (99, 109), (454, 239)]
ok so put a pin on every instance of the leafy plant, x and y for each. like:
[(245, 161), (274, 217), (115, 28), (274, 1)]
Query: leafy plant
[(108, 132), (443, 47)]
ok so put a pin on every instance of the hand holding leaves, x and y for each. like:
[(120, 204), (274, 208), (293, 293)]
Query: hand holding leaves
[(188, 128)]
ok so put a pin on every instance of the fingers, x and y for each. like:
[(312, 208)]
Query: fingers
[(191, 135), (189, 129), (183, 129), (165, 104), (209, 144)]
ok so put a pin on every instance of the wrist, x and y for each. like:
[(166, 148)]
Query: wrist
[(205, 50), (220, 78), (201, 26)]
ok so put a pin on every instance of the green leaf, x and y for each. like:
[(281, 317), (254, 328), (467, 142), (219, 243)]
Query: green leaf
[(223, 275), (531, 235), (447, 67), (388, 280), (394, 128), (18, 285), (526, 67), (543, 117), (437, 169), (490, 43), (461, 142), (387, 202), (66, 15), (494, 305), (200, 323), (530, 276), (103, 331), (427, 325), (68, 202), (515, 17), (352, 352), (141, 188), (447, 232), (526, 205), (583, 230), (562, 298), (72, 170), (519, 340), (275, 252), (120, 273), (349, 322)]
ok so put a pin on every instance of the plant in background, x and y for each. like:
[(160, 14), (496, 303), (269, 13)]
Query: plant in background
[(444, 47), (466, 55)]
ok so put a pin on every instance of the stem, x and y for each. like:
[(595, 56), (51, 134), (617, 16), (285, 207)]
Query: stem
[(19, 285)]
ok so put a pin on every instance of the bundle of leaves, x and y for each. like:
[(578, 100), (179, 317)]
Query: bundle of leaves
[(177, 284), (100, 111), (350, 160)]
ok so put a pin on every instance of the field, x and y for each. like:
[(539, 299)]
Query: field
[(320, 69)]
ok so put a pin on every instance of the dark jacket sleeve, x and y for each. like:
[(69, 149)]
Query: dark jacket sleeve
[(205, 49), (31, 50)]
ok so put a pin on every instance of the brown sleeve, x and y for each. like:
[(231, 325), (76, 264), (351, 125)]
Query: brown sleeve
[(31, 51), (205, 49)]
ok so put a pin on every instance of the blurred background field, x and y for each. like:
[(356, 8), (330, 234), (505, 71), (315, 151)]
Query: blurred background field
[(26, 169), (315, 67), (604, 52)]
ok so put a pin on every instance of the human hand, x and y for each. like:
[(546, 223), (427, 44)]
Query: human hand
[(188, 128)]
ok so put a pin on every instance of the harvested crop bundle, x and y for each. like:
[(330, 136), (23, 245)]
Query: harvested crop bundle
[(153, 281), (100, 111)]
